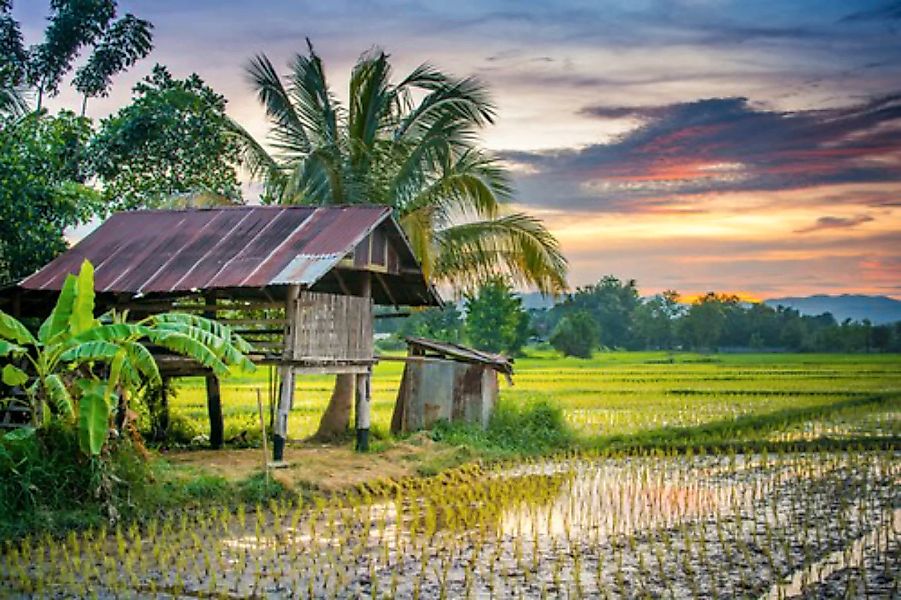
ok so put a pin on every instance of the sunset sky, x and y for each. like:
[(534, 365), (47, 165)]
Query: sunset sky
[(696, 145)]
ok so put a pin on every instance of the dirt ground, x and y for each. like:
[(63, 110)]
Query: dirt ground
[(329, 468)]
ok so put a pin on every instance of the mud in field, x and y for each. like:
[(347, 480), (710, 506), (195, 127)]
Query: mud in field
[(815, 525)]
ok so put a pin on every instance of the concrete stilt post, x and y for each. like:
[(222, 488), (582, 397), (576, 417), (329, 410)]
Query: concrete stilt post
[(286, 374), (363, 384), (361, 412)]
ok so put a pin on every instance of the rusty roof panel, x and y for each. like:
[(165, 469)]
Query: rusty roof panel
[(178, 251), (499, 362)]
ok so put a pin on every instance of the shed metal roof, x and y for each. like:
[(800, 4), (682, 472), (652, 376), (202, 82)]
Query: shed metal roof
[(449, 350), (184, 251)]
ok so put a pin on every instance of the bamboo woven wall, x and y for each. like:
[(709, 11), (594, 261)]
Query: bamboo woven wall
[(331, 327)]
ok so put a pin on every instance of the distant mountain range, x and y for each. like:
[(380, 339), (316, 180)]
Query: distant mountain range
[(878, 309)]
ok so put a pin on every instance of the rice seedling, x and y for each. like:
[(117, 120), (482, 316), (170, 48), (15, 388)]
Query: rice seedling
[(674, 526), (662, 520)]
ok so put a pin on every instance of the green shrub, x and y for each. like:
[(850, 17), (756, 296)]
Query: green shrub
[(533, 428), (576, 334), (47, 482)]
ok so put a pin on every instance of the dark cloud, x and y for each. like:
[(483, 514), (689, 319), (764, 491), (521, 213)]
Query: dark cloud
[(836, 223), (718, 144), (889, 11)]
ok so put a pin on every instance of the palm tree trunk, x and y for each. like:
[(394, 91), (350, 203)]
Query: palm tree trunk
[(336, 419)]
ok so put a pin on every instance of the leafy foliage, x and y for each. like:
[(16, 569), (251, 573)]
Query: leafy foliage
[(654, 320), (704, 321), (610, 303), (445, 324), (13, 56), (495, 319), (665, 322), (140, 152), (83, 368), (576, 334), (72, 26), (123, 44), (42, 189)]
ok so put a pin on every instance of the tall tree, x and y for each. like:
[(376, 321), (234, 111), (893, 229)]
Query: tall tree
[(140, 153), (13, 56), (411, 144), (495, 319), (576, 334), (654, 320), (611, 303), (41, 189), (73, 25), (123, 44), (703, 324)]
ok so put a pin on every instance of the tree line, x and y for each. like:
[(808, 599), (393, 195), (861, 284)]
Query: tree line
[(611, 314)]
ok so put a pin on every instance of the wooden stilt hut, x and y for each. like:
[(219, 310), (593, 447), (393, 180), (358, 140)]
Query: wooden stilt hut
[(298, 282)]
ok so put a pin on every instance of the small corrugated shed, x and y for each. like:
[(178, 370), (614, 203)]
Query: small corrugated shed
[(243, 250), (446, 381)]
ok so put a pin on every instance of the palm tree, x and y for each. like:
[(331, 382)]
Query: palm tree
[(12, 102), (411, 145)]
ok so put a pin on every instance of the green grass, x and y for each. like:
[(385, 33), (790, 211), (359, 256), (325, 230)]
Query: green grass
[(632, 398)]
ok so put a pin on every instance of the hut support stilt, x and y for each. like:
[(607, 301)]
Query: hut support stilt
[(361, 412), (214, 410), (285, 400), (286, 375), (163, 411)]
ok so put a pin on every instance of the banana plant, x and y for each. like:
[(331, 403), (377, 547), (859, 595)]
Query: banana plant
[(78, 367)]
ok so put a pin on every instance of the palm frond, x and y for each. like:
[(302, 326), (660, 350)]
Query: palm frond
[(313, 101), (290, 134), (426, 76), (419, 227), (258, 162), (475, 185), (465, 101), (517, 244), (12, 103), (318, 179), (371, 101)]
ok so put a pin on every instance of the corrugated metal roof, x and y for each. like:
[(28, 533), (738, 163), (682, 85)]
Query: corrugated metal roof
[(178, 251)]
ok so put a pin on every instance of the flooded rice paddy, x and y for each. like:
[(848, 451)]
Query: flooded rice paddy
[(763, 526)]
